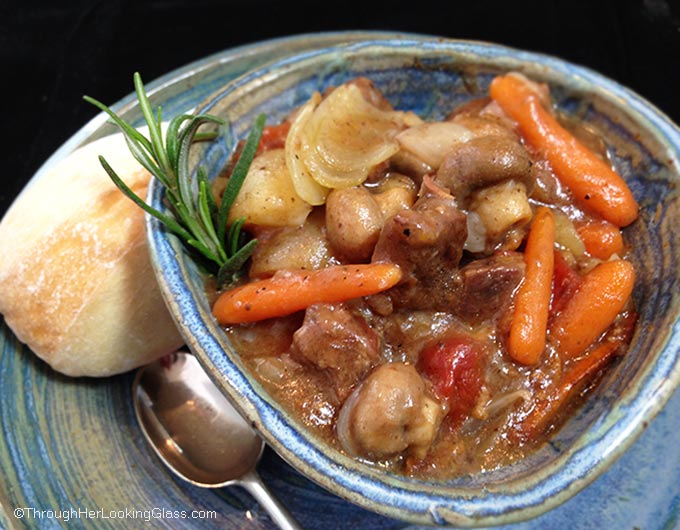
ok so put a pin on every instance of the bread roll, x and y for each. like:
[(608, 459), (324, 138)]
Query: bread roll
[(76, 283)]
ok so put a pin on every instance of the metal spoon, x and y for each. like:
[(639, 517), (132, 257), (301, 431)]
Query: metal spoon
[(197, 433)]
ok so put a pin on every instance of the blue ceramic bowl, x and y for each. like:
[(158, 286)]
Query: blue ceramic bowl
[(430, 77)]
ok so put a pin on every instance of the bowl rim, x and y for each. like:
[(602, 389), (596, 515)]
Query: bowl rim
[(402, 497)]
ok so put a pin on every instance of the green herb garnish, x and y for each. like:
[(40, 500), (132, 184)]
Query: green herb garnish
[(196, 219)]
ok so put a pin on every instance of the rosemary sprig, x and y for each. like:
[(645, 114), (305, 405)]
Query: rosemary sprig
[(195, 217)]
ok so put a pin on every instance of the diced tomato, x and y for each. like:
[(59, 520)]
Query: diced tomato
[(455, 367), (566, 282), (273, 137)]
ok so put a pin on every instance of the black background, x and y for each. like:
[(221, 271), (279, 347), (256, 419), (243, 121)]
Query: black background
[(55, 51)]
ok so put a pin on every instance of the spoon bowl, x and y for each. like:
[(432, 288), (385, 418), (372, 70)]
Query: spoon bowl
[(197, 433)]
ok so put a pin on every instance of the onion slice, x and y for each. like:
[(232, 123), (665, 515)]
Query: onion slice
[(431, 141), (343, 138), (303, 182)]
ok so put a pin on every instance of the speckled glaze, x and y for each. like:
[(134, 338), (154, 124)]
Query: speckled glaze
[(73, 444), (431, 77)]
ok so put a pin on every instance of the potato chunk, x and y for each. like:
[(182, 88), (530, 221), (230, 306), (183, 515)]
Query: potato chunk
[(502, 206), (267, 197), (298, 247)]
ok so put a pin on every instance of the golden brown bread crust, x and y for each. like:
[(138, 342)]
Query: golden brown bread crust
[(76, 283)]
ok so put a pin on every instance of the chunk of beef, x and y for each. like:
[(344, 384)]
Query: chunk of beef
[(338, 342), (427, 244), (484, 287)]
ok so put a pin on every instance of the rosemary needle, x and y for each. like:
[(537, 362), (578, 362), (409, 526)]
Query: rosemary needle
[(194, 215)]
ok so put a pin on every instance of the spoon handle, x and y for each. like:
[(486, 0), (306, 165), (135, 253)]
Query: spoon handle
[(252, 482)]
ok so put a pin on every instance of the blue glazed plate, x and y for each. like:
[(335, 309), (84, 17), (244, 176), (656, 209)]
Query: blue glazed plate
[(72, 456)]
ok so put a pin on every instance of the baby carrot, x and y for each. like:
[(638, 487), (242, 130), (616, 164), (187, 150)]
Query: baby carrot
[(293, 290), (602, 239), (574, 378), (593, 308), (596, 185), (532, 303)]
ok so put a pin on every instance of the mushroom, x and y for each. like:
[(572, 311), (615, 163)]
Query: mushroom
[(484, 161), (353, 222), (390, 413)]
